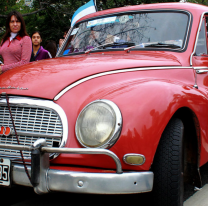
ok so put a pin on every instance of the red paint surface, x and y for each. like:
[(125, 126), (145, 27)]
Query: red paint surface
[(147, 99)]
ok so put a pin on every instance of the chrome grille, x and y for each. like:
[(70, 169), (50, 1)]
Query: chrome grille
[(31, 123)]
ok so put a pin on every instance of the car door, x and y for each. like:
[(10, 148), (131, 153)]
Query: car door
[(200, 57)]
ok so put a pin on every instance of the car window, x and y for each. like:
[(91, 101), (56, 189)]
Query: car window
[(201, 46), (163, 30)]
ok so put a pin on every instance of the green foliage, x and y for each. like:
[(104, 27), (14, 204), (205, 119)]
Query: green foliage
[(107, 4), (3, 7), (204, 2), (5, 4), (50, 21)]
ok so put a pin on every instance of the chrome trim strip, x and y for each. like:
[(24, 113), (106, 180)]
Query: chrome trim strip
[(91, 183), (35, 134), (196, 40), (64, 42), (28, 102), (117, 129), (188, 30), (201, 71), (16, 147), (113, 72), (198, 68)]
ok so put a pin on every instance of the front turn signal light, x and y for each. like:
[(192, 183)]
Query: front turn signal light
[(134, 159)]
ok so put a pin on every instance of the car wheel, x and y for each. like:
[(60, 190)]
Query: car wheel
[(168, 188)]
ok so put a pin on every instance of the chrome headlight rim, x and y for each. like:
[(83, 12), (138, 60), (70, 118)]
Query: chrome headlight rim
[(117, 127)]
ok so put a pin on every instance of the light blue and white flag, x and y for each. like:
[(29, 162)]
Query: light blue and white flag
[(84, 10)]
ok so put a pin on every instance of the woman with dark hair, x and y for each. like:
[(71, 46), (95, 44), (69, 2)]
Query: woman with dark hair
[(38, 52), (16, 46), (51, 47)]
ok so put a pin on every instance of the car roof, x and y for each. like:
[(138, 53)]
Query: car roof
[(192, 7)]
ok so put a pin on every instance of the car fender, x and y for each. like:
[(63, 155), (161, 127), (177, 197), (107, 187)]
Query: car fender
[(146, 105)]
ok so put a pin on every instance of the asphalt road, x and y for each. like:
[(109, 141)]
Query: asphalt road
[(199, 198), (21, 196)]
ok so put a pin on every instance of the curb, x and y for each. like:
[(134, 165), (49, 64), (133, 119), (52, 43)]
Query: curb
[(199, 198)]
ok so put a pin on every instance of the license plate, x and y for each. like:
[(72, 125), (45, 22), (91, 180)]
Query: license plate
[(5, 165)]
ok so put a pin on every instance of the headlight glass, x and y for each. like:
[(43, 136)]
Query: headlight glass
[(99, 124)]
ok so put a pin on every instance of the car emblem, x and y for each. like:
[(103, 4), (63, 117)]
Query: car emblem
[(6, 131), (10, 87)]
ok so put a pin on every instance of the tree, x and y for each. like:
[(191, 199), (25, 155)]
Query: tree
[(4, 5), (107, 4), (49, 17), (204, 2)]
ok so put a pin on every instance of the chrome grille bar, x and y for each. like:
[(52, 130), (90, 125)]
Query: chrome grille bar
[(22, 133), (39, 122), (33, 119)]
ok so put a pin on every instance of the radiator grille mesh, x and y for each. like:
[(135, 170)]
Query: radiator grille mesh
[(31, 123)]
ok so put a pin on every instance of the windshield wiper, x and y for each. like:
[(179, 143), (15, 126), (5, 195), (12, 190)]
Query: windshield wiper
[(102, 45), (111, 44), (159, 44)]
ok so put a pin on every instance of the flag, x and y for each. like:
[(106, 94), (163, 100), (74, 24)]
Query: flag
[(84, 10)]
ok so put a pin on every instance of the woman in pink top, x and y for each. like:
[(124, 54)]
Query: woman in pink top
[(16, 46)]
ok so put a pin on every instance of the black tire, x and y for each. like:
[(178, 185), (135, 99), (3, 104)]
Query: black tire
[(168, 188)]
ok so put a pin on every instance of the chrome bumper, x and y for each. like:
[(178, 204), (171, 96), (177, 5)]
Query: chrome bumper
[(47, 179), (94, 183)]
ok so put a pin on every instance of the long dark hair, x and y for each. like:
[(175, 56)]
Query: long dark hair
[(22, 31), (35, 33), (51, 47)]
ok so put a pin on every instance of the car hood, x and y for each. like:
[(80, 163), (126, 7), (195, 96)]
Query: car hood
[(46, 78)]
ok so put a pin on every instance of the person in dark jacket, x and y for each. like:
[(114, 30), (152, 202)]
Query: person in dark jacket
[(38, 52), (51, 47)]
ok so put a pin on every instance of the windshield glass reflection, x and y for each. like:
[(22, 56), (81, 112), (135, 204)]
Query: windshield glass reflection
[(142, 30)]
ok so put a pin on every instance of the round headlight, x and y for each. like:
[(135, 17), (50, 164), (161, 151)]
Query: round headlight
[(99, 124)]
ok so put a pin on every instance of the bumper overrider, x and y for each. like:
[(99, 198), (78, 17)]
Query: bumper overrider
[(44, 179)]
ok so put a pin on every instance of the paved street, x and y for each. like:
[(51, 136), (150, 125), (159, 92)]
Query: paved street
[(20, 196), (200, 198)]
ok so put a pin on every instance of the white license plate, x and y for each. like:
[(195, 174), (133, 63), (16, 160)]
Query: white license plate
[(5, 165)]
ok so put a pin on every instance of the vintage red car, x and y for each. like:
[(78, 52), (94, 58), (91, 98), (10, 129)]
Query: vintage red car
[(122, 109)]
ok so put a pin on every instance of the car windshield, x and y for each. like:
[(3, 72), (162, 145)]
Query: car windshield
[(152, 30)]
